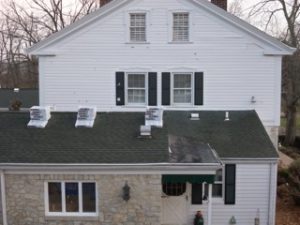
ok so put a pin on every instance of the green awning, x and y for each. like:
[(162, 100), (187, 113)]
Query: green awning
[(193, 179)]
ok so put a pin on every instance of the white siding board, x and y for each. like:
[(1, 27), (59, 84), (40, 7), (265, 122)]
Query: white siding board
[(252, 193), (234, 66)]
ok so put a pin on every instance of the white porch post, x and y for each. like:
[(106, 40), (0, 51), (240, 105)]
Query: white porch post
[(209, 207), (3, 197)]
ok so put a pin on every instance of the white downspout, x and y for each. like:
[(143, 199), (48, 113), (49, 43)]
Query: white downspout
[(3, 198), (209, 208)]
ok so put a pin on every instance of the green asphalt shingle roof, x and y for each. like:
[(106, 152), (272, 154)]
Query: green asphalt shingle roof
[(113, 139)]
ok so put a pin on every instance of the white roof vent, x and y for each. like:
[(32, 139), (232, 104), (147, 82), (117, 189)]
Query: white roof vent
[(39, 116), (195, 116), (86, 116), (154, 117), (145, 131), (226, 116)]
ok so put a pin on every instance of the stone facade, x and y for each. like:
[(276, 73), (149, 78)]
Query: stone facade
[(273, 133), (25, 200)]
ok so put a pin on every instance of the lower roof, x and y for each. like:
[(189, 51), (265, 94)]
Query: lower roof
[(114, 138)]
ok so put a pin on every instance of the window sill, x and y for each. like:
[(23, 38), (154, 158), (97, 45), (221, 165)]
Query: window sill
[(137, 43), (72, 218), (180, 42)]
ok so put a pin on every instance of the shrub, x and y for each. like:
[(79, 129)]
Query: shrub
[(294, 180), (283, 176)]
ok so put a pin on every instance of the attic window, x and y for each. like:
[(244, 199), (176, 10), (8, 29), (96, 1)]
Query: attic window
[(180, 27), (137, 27)]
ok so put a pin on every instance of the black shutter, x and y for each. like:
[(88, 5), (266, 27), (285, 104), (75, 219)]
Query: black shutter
[(152, 90), (120, 88), (198, 88), (230, 171), (166, 82), (196, 194)]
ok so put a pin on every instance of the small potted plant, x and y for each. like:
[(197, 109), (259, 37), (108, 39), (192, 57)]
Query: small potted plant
[(15, 105)]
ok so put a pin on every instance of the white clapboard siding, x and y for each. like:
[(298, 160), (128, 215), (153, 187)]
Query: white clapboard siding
[(234, 66), (252, 193)]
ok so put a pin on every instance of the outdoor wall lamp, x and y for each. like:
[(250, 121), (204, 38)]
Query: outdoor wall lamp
[(232, 220), (126, 192)]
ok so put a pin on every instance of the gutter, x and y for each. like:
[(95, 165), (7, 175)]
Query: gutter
[(3, 198)]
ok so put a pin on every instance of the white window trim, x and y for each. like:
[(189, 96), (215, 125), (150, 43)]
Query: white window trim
[(170, 26), (127, 25), (64, 213), (217, 198), (146, 90), (192, 90)]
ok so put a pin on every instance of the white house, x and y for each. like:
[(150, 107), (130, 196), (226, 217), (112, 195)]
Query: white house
[(180, 104)]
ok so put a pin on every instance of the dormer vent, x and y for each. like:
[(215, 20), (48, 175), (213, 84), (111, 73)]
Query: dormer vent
[(145, 131), (227, 116), (86, 116), (195, 116), (154, 117), (39, 116)]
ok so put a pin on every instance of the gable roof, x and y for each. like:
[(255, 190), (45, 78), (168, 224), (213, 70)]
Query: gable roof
[(113, 139), (281, 48)]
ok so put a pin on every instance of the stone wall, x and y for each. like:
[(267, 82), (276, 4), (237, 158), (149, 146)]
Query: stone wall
[(25, 200), (273, 133)]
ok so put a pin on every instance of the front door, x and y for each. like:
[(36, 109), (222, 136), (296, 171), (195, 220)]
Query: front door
[(174, 204)]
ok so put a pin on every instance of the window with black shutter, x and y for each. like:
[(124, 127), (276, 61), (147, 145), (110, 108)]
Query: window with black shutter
[(166, 82), (230, 177), (196, 194), (152, 89), (198, 98), (120, 88)]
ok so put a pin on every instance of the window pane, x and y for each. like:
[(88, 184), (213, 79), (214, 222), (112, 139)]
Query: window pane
[(182, 96), (138, 27), (89, 197), (180, 27), (136, 81), (182, 81), (216, 190), (219, 175), (136, 96), (72, 202), (174, 189), (54, 193)]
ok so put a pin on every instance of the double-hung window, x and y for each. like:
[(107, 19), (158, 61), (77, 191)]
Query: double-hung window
[(181, 27), (137, 27), (182, 88), (217, 187), (136, 89), (70, 198)]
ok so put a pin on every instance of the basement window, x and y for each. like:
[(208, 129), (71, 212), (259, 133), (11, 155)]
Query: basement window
[(70, 198)]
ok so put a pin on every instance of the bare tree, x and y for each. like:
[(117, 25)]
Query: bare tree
[(289, 11), (26, 23)]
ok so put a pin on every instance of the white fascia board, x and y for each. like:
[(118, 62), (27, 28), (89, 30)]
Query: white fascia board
[(279, 47), (250, 160), (111, 169), (81, 23)]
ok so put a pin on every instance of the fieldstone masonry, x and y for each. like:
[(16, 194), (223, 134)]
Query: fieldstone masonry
[(25, 200)]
